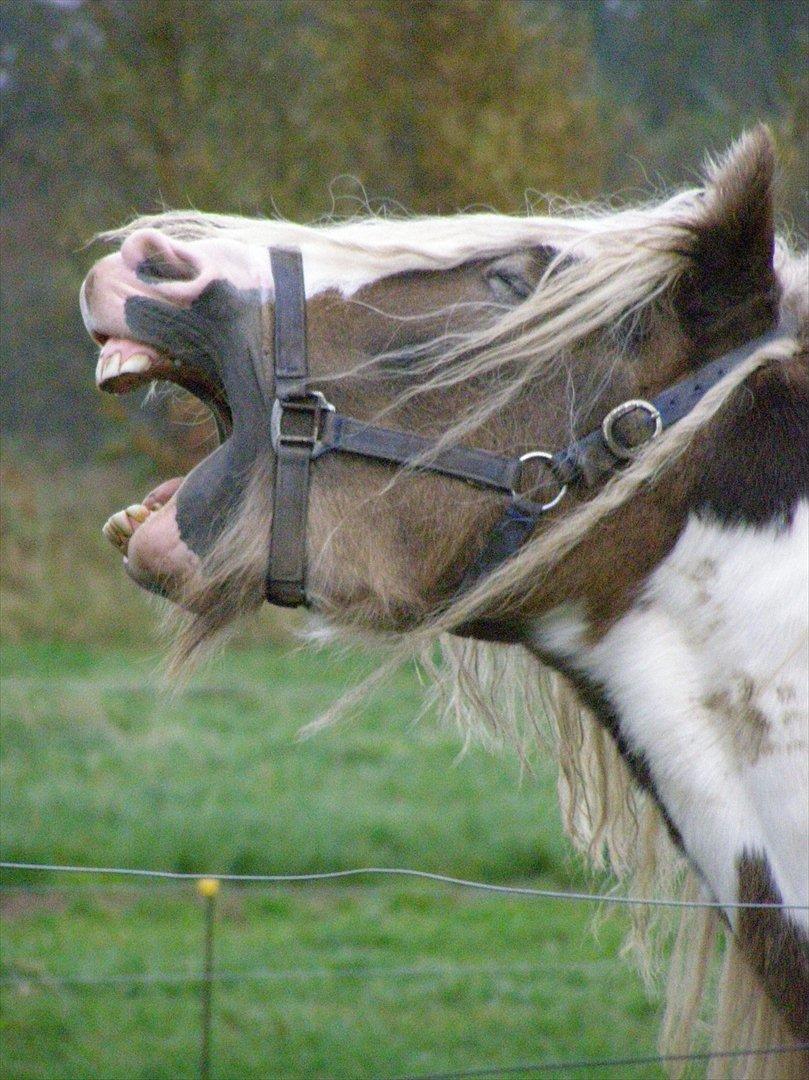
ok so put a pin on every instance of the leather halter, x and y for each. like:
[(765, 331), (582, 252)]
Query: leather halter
[(304, 426)]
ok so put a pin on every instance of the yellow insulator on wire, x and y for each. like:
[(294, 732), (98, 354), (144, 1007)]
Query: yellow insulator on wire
[(208, 886)]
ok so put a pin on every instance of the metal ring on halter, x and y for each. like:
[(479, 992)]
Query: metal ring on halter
[(618, 448), (542, 507)]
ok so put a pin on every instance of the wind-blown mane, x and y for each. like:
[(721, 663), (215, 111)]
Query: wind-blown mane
[(606, 815), (607, 269)]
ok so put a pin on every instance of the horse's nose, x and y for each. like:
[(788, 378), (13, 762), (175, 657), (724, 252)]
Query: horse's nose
[(97, 310), (155, 257), (85, 293)]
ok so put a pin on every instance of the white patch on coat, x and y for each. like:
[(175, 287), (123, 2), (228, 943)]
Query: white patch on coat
[(709, 674)]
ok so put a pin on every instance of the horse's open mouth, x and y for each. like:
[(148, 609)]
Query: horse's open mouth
[(125, 365)]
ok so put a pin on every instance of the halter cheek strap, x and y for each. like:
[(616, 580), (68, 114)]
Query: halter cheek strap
[(304, 426), (286, 570)]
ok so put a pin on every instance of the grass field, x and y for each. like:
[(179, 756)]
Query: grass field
[(373, 978)]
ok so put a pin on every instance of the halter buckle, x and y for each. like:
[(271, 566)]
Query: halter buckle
[(620, 449), (285, 428)]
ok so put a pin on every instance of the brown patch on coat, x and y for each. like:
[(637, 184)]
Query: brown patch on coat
[(787, 693), (776, 948), (754, 459), (698, 575), (742, 724)]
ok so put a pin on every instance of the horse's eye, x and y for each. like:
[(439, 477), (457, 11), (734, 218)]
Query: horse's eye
[(508, 285)]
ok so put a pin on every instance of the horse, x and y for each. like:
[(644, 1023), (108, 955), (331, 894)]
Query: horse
[(572, 449)]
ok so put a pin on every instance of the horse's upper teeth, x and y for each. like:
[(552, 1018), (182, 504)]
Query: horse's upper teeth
[(135, 365), (107, 367), (111, 366)]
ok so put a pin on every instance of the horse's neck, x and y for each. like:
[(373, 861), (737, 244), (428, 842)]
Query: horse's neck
[(705, 685), (707, 678)]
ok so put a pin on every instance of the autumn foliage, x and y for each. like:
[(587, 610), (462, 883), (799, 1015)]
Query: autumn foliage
[(306, 108)]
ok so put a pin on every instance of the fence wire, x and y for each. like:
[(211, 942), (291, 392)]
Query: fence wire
[(346, 971), (603, 1063), (169, 978), (401, 871)]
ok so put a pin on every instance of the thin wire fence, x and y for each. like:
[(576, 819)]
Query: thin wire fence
[(353, 971), (601, 1063), (400, 871)]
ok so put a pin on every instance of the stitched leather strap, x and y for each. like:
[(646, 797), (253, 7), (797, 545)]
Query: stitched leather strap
[(481, 467), (589, 459), (285, 582), (290, 363)]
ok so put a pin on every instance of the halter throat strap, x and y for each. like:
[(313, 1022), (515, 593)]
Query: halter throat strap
[(304, 425)]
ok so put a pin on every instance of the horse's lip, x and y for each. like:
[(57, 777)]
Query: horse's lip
[(161, 494)]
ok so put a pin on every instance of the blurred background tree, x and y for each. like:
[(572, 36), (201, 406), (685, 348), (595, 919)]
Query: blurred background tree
[(468, 103), (305, 108)]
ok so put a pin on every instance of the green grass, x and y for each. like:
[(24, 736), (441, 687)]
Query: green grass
[(60, 581), (373, 978)]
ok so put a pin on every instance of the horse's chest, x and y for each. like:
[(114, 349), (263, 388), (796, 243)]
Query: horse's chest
[(708, 675), (735, 604)]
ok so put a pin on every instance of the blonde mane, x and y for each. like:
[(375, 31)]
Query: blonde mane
[(507, 692), (392, 245), (608, 267)]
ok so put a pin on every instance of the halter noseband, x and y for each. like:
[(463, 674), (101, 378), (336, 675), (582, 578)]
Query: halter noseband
[(304, 425)]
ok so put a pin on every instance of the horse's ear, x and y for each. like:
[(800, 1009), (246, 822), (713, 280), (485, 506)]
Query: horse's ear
[(729, 288)]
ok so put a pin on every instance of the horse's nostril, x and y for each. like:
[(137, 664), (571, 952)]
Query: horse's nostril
[(156, 268), (155, 257)]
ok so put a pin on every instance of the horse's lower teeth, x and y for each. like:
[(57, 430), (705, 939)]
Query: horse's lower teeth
[(119, 528), (137, 511)]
